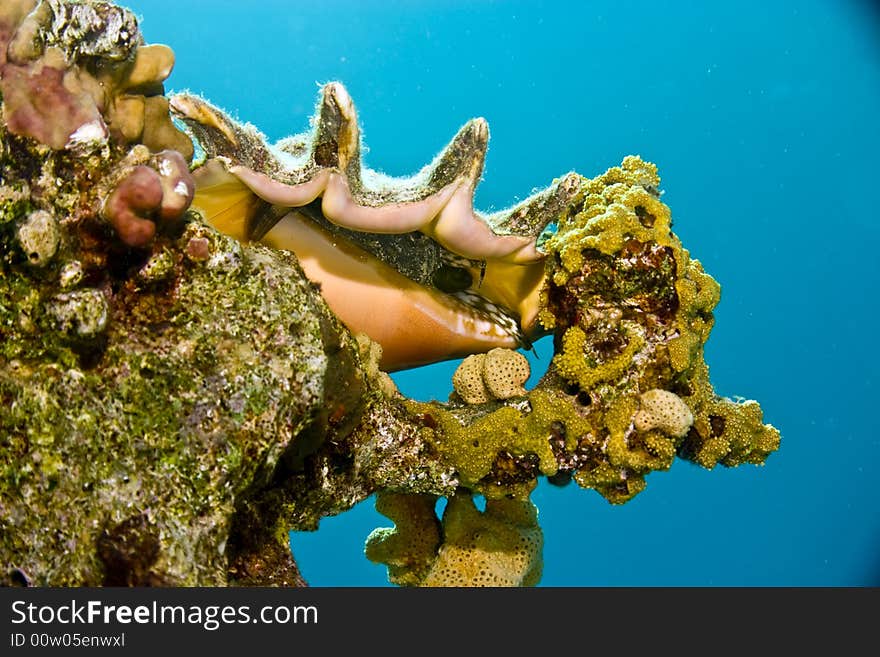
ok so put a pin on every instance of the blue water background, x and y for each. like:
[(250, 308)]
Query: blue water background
[(763, 119)]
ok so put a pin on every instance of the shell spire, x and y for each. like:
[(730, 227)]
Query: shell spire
[(463, 158), (337, 137)]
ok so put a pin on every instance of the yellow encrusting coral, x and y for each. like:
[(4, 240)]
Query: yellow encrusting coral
[(698, 294), (725, 431), (629, 455), (574, 364), (609, 218), (615, 485), (473, 449), (501, 546), (410, 547)]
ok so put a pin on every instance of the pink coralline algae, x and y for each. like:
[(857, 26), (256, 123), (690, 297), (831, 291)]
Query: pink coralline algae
[(150, 195), (47, 103)]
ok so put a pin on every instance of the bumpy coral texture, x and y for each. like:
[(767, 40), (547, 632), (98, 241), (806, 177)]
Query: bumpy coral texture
[(663, 410), (408, 549), (135, 406), (149, 195), (505, 372), (468, 380), (501, 546), (498, 374), (94, 384)]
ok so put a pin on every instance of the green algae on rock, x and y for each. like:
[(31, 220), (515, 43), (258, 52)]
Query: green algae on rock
[(191, 400), (142, 391)]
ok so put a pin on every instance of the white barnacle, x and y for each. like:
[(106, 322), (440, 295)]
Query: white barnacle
[(89, 135), (39, 237)]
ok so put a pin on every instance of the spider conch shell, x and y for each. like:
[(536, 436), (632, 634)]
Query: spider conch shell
[(407, 261)]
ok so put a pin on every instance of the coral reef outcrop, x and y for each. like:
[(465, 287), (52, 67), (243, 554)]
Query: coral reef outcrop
[(190, 365), (137, 400)]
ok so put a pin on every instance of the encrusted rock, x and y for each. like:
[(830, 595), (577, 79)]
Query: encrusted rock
[(39, 236), (159, 267), (54, 93), (71, 275), (83, 313)]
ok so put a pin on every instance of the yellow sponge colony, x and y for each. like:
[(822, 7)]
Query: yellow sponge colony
[(663, 410), (499, 374), (499, 547)]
